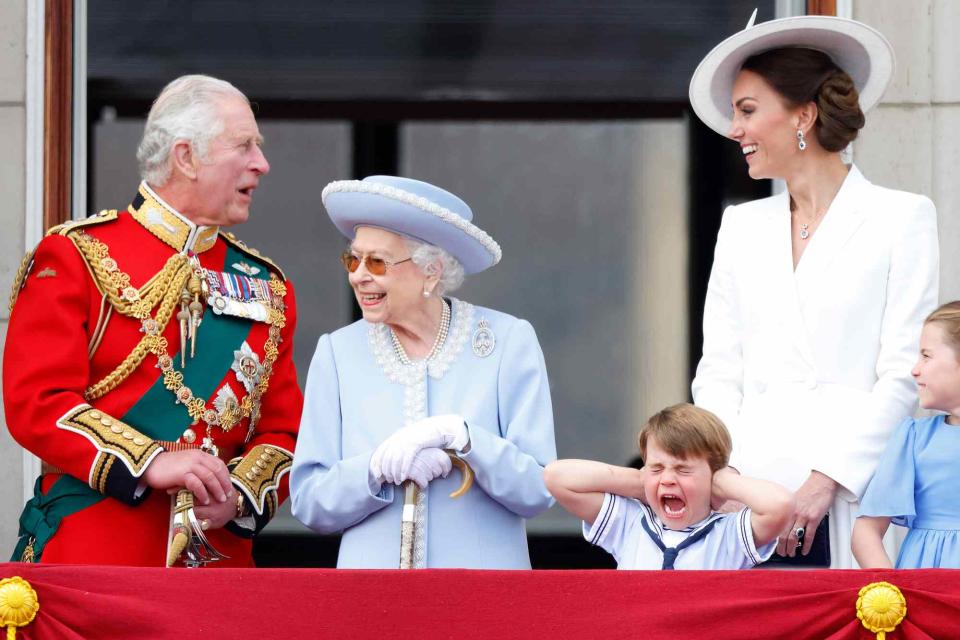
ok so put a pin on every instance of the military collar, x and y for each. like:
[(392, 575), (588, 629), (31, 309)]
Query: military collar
[(168, 224)]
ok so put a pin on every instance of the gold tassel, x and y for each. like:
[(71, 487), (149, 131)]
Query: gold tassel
[(183, 316), (177, 547), (196, 308)]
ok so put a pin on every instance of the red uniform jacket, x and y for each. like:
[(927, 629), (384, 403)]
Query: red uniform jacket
[(83, 392)]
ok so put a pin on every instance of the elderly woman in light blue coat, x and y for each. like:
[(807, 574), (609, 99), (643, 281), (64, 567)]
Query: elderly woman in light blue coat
[(421, 373)]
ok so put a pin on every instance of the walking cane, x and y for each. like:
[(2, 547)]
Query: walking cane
[(410, 492)]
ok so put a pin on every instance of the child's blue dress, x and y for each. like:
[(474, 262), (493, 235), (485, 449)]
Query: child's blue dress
[(917, 484)]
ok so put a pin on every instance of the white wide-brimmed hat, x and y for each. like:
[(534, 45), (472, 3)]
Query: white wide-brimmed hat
[(413, 208), (859, 50)]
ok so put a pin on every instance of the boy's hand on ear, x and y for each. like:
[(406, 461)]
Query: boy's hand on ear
[(719, 499), (640, 494)]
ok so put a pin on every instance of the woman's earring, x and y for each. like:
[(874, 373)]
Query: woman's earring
[(801, 143), (426, 293)]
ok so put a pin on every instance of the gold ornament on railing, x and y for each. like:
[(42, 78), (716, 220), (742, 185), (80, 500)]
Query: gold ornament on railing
[(18, 604), (881, 607)]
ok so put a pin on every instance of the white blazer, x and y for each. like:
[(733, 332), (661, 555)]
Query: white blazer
[(810, 369)]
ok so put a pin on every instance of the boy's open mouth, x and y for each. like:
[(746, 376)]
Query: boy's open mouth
[(673, 506)]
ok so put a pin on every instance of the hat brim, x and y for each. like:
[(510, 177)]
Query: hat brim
[(472, 247), (862, 51)]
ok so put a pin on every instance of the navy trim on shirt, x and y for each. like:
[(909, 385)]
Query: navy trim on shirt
[(605, 520)]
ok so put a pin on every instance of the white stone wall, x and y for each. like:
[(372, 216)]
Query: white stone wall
[(13, 29), (912, 139)]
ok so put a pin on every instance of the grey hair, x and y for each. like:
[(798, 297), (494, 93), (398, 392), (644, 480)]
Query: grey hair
[(427, 256), (184, 110)]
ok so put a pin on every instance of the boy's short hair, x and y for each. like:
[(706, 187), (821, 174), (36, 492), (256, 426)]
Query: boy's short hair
[(684, 430)]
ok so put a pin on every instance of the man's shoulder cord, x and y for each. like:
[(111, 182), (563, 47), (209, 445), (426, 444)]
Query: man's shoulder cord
[(66, 228), (25, 265), (162, 291)]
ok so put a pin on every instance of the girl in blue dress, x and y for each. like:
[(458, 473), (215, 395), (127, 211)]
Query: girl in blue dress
[(915, 485)]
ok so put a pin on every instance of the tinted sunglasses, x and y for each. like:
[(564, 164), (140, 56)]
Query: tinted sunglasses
[(376, 266)]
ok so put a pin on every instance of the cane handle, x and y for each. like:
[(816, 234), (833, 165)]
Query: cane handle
[(465, 471)]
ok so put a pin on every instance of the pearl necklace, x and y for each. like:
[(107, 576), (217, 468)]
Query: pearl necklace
[(437, 344)]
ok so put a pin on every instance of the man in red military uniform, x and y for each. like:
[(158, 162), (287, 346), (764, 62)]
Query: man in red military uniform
[(149, 351)]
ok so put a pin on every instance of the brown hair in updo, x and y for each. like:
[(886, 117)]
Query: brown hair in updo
[(806, 75), (948, 317)]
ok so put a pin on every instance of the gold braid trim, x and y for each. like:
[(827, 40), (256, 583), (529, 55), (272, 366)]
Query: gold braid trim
[(101, 469), (20, 279), (163, 290), (125, 298), (259, 473), (111, 436)]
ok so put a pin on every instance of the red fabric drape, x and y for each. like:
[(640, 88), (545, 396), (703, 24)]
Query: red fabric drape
[(109, 602)]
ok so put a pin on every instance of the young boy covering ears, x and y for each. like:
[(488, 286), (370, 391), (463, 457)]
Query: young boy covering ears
[(659, 517)]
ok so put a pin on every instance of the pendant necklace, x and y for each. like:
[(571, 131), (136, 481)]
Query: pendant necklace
[(804, 226)]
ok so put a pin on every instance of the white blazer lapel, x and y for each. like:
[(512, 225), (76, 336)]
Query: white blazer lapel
[(843, 218)]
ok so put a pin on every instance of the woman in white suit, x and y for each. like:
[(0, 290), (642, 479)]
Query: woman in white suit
[(817, 294)]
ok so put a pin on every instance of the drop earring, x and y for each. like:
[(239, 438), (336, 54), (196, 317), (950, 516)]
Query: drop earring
[(801, 143)]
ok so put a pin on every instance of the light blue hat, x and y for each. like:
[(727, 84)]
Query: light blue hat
[(412, 208)]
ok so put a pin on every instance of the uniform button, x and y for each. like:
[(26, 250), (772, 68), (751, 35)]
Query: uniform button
[(189, 436), (128, 435), (106, 422), (116, 428), (95, 415), (248, 475), (139, 441)]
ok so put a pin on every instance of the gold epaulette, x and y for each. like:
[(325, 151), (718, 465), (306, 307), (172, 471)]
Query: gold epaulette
[(107, 215), (239, 244), (62, 230)]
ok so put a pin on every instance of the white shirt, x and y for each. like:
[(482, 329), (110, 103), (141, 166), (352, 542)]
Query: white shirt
[(618, 529)]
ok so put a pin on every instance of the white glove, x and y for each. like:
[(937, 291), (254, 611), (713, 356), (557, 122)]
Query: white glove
[(393, 458), (427, 465)]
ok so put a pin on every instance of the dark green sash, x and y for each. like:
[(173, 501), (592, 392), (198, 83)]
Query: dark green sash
[(156, 414), (42, 514)]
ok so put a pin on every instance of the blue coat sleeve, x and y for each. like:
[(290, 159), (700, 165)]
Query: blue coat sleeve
[(327, 493), (891, 490), (508, 461)]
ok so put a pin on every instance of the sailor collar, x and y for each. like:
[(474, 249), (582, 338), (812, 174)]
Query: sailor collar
[(168, 224)]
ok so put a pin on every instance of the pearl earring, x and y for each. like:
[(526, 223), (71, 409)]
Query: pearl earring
[(426, 293)]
